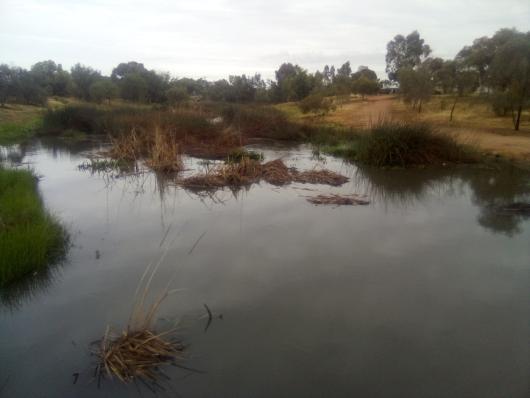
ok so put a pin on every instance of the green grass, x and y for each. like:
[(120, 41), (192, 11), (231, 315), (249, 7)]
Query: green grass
[(13, 132), (30, 238)]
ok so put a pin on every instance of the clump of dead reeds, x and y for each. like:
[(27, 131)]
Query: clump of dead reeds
[(164, 153), (320, 177), (137, 355), (248, 171), (138, 352), (337, 200), (276, 172)]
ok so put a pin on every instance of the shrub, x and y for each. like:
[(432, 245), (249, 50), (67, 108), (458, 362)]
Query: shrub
[(315, 103)]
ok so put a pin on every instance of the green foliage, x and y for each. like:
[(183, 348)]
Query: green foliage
[(13, 132), (30, 239), (315, 103), (510, 72), (262, 122), (365, 86), (83, 77), (177, 94), (103, 89), (405, 52), (415, 86), (402, 144), (237, 155)]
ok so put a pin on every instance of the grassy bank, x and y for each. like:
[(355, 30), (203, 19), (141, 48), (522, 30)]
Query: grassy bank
[(19, 123), (30, 238)]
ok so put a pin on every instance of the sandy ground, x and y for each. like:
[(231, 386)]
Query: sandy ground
[(474, 124)]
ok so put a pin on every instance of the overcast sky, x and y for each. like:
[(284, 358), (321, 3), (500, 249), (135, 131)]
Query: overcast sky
[(212, 39)]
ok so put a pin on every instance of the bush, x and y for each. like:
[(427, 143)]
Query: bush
[(262, 122), (315, 103), (30, 238), (407, 144)]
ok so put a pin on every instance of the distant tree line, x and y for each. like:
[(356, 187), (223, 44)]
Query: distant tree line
[(131, 81), (497, 67)]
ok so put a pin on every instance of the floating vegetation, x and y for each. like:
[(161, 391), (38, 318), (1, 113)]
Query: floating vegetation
[(320, 177), (249, 171), (337, 200), (276, 172)]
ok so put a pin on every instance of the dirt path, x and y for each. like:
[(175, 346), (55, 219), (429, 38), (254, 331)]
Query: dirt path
[(483, 132)]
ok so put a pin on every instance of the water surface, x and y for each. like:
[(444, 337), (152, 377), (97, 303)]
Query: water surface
[(423, 293)]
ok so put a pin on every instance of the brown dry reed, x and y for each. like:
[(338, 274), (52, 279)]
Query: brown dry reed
[(139, 352)]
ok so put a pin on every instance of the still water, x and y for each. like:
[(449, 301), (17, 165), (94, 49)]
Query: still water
[(423, 293)]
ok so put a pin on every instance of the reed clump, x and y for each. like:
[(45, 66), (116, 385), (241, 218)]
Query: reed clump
[(139, 352), (163, 153)]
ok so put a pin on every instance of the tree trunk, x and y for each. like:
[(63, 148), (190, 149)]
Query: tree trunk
[(518, 120), (453, 109), (419, 107)]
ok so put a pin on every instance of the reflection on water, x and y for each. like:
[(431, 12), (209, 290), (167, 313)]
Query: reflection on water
[(422, 293)]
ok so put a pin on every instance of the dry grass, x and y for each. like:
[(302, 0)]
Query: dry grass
[(164, 153), (276, 172), (138, 352), (320, 177), (337, 200), (249, 171), (137, 355)]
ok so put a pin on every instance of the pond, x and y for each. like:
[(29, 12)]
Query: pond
[(422, 293)]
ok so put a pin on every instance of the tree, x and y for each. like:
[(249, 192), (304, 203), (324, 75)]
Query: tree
[(177, 94), (83, 77), (405, 52), (364, 71), (292, 83), (510, 73), (5, 83), (133, 87), (103, 89), (365, 86), (415, 86)]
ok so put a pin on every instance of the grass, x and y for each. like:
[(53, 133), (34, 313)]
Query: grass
[(19, 123), (30, 238)]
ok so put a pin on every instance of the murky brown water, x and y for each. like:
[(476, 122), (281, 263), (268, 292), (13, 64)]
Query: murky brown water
[(423, 293)]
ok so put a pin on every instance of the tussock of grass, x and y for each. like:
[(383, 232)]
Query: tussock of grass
[(408, 144), (30, 238)]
